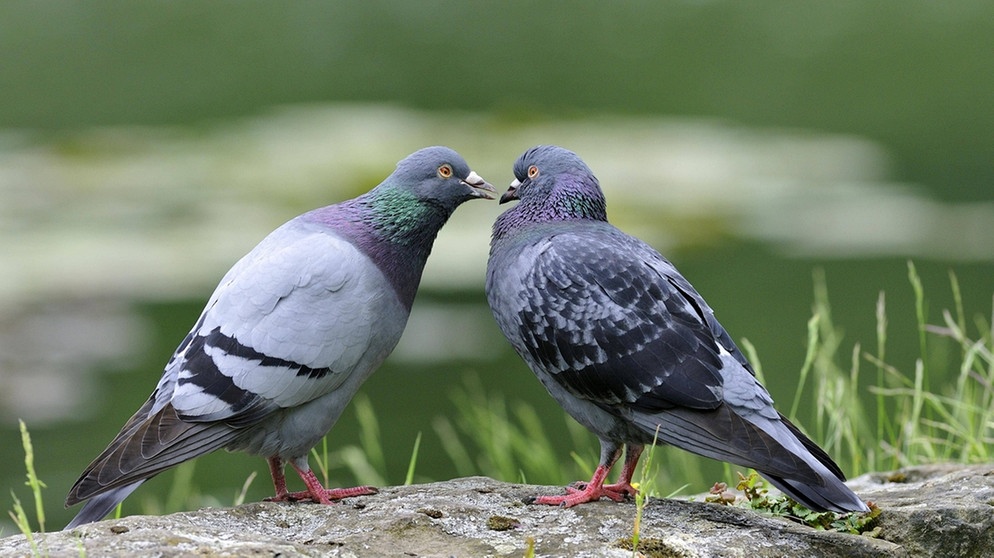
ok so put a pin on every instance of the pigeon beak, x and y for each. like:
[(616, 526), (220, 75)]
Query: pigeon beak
[(511, 193), (481, 188)]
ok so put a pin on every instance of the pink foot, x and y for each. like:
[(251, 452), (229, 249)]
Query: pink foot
[(316, 492), (583, 492), (622, 488)]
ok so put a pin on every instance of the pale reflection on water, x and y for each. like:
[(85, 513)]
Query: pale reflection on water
[(142, 214), (48, 350)]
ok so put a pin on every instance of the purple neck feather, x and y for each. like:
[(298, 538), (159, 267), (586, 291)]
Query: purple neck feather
[(572, 198), (399, 252)]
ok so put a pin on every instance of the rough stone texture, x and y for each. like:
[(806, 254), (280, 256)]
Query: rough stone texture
[(933, 511)]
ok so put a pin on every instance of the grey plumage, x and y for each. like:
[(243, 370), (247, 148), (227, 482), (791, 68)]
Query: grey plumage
[(627, 346), (289, 335)]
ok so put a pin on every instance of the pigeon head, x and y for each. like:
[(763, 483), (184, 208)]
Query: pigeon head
[(437, 176), (395, 223), (553, 183), (411, 205)]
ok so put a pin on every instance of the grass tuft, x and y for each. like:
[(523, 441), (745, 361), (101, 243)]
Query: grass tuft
[(911, 423), (508, 445), (33, 481), (18, 514), (644, 490), (952, 425)]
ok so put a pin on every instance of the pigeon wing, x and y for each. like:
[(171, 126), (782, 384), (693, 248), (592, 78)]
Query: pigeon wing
[(614, 323), (289, 324)]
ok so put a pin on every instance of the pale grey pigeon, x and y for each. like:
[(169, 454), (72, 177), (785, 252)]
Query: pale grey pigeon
[(289, 335), (626, 345)]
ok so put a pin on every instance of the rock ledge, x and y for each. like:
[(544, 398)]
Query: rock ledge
[(927, 511)]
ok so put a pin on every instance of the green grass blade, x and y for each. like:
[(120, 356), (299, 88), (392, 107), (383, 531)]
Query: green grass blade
[(921, 315), (884, 426), (454, 447), (809, 359), (409, 478), (240, 495), (33, 481), (369, 433), (182, 488), (23, 525)]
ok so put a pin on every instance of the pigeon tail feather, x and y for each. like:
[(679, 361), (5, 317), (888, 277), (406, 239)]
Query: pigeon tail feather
[(800, 469), (833, 495), (99, 506), (163, 441), (724, 435)]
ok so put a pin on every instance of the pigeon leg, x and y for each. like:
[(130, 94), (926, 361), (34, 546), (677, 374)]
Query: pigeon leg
[(279, 480), (318, 493), (315, 491), (624, 484), (593, 490)]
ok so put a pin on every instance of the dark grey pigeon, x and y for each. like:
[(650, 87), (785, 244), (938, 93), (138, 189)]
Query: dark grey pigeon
[(289, 335), (626, 345)]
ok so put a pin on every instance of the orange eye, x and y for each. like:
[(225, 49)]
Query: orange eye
[(532, 171), (445, 171)]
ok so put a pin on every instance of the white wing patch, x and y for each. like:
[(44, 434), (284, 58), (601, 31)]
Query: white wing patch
[(192, 400)]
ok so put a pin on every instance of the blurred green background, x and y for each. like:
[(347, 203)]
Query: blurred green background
[(145, 146)]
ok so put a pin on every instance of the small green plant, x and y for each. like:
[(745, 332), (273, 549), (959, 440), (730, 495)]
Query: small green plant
[(369, 434), (649, 547), (20, 518), (321, 459), (18, 514), (530, 547), (755, 496), (644, 490), (182, 490), (33, 481)]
